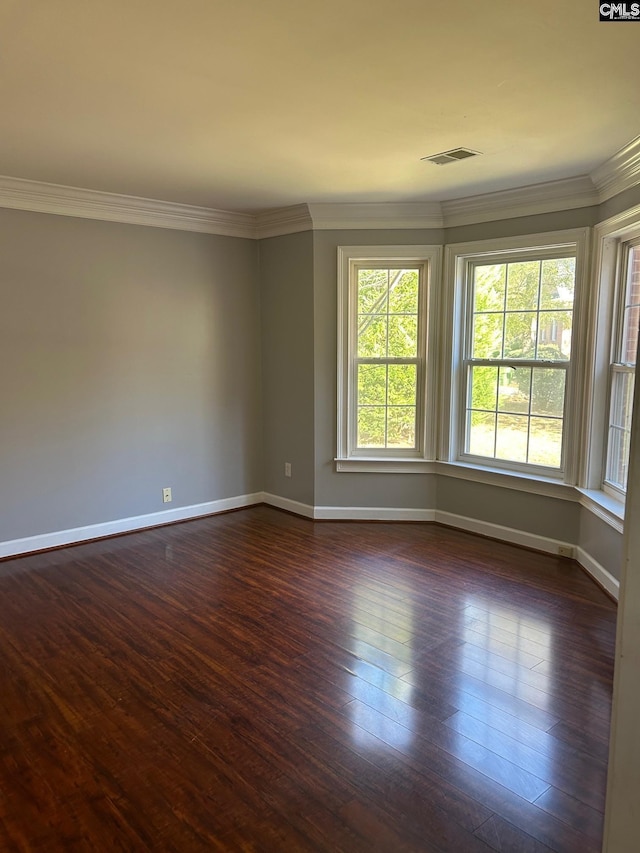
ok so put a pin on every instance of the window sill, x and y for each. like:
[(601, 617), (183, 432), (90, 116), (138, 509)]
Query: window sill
[(385, 465), (462, 471), (604, 507), (518, 480)]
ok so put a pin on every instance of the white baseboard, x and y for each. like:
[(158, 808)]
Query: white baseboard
[(598, 573), (359, 513), (499, 531), (15, 547), (57, 539), (287, 504), (531, 540)]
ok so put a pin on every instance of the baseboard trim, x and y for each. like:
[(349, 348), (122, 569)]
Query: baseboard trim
[(361, 513), (532, 540), (499, 531), (598, 572), (75, 535), (288, 505)]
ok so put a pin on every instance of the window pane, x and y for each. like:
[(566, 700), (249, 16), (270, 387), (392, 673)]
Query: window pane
[(514, 390), (554, 335), (547, 395), (382, 355), (372, 336), (630, 334), (620, 428), (632, 308), (487, 335), (402, 384), (372, 384), (522, 311), (403, 336), (489, 290), (618, 457), (401, 426), (481, 433), (520, 335), (523, 280), (484, 387), (622, 381), (622, 399), (545, 442), (403, 292), (372, 291), (558, 282), (371, 426), (511, 437)]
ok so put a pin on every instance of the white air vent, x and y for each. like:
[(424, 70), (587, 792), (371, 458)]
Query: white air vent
[(451, 156)]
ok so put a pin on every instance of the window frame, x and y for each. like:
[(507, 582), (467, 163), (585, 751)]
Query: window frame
[(624, 245), (349, 457), (609, 236), (459, 259)]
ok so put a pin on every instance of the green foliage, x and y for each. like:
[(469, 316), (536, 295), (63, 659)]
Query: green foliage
[(547, 393), (489, 290), (484, 387), (388, 313)]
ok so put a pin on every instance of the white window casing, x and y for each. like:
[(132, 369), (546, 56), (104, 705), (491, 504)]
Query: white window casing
[(606, 368), (461, 361), (415, 264)]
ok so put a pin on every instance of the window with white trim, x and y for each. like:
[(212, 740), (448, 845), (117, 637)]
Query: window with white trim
[(622, 368), (517, 354), (383, 388), (512, 315)]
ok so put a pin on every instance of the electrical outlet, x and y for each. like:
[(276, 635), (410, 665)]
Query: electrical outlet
[(565, 551), (287, 469), (166, 496)]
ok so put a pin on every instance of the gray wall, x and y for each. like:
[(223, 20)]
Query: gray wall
[(129, 361), (619, 203), (583, 217), (407, 491), (286, 273), (537, 514), (600, 541)]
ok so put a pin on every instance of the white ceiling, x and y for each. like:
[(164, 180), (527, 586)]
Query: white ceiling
[(254, 104)]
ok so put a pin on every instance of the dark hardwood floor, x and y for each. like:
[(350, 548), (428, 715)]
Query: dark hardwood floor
[(257, 681)]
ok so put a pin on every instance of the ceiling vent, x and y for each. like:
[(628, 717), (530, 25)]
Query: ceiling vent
[(451, 156)]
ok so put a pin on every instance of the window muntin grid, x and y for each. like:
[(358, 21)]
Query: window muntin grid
[(387, 364)]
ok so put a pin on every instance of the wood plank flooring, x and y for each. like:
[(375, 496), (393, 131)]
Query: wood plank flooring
[(260, 682)]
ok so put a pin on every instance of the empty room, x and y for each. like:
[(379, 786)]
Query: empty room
[(318, 467)]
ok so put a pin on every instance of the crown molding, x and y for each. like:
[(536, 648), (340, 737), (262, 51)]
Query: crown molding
[(620, 172), (566, 194), (40, 197), (395, 215), (283, 220)]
